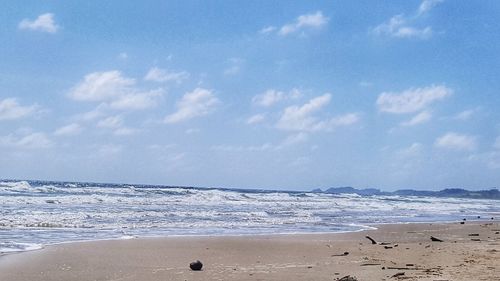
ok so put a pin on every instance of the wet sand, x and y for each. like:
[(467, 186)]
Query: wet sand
[(400, 249)]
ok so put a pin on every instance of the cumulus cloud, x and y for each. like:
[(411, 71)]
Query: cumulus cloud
[(307, 21), (43, 23), (401, 26), (420, 118), (456, 141), (398, 26), (268, 98), (302, 118), (257, 118), (427, 5), (115, 90), (272, 96), (69, 130), (102, 86), (411, 100), (315, 20), (116, 125), (267, 29), (10, 109), (34, 140), (137, 101), (197, 103), (162, 75)]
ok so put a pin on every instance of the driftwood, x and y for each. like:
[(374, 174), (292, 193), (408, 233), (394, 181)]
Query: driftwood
[(398, 274), (371, 239), (348, 278), (436, 239)]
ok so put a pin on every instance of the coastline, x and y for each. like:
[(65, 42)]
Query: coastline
[(275, 257)]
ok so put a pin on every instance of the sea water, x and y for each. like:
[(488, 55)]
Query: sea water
[(35, 213)]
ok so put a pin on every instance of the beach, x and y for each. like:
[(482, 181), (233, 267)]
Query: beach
[(469, 251)]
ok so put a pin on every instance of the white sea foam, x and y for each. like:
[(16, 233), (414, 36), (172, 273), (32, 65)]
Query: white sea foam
[(41, 213)]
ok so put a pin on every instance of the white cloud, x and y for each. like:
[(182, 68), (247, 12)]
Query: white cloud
[(116, 125), (197, 103), (456, 142), (102, 86), (307, 21), (112, 122), (398, 27), (268, 98), (257, 118), (300, 118), (411, 100), (271, 96), (69, 130), (162, 75), (29, 141), (44, 23), (420, 118), (267, 30), (112, 89), (11, 110), (427, 5), (465, 115), (137, 101), (343, 120)]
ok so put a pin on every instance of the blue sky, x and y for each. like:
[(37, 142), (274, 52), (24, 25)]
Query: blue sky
[(252, 94)]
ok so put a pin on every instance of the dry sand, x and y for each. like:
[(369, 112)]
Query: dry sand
[(280, 257)]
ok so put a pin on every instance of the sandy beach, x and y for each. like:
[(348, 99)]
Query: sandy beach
[(470, 251)]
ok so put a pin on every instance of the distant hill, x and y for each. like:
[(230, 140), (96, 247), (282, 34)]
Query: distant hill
[(449, 192)]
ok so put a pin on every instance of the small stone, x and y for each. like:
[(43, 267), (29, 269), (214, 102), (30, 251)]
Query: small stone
[(196, 265)]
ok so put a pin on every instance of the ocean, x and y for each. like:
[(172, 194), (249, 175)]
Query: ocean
[(35, 213)]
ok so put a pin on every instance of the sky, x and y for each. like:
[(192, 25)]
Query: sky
[(252, 94)]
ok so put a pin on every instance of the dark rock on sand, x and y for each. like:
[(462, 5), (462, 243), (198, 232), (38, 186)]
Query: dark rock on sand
[(196, 265)]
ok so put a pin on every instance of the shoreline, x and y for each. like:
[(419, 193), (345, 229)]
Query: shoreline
[(310, 256), (365, 227)]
